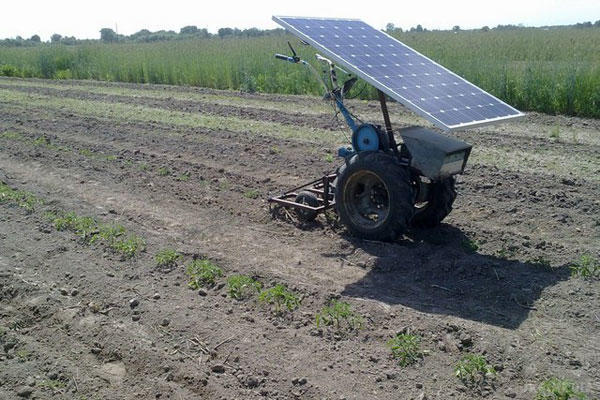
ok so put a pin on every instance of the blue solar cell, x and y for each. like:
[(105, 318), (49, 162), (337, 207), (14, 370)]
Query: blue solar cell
[(414, 80)]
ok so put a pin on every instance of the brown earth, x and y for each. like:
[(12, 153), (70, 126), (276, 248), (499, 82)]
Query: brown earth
[(67, 327)]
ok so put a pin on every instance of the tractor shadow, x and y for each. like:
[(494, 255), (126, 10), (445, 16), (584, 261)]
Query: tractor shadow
[(432, 272)]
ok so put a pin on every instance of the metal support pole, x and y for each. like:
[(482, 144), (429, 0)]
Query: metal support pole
[(388, 123), (384, 110)]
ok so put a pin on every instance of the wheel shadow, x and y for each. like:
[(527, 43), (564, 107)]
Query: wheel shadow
[(435, 271)]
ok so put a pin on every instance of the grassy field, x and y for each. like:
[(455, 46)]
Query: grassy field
[(555, 71)]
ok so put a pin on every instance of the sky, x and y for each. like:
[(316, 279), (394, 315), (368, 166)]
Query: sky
[(85, 19)]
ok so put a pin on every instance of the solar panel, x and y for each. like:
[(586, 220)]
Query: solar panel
[(419, 83)]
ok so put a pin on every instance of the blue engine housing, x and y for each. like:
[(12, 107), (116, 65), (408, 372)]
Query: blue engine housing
[(365, 138)]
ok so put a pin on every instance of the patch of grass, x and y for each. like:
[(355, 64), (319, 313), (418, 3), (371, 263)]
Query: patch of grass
[(252, 194), (555, 133), (163, 171), (224, 185), (339, 314), (21, 198), (11, 135), (90, 231), (85, 227), (473, 370), (129, 247), (587, 267), (53, 384), (406, 348), (41, 141), (110, 157), (167, 258), (242, 286), (23, 354), (184, 177), (540, 262), (558, 389), (279, 296), (203, 273), (86, 153), (329, 157), (144, 167), (469, 245)]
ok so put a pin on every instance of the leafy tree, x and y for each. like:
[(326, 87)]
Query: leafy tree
[(485, 29), (222, 32), (55, 38), (35, 39), (597, 24), (419, 28), (389, 28), (108, 35), (190, 29), (456, 28)]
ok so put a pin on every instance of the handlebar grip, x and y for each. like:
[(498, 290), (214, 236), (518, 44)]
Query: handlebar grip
[(284, 58)]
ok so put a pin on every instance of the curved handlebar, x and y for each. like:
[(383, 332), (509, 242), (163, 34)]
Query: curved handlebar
[(285, 58)]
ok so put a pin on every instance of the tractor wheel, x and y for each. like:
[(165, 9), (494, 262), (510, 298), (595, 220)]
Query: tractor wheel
[(309, 199), (374, 196), (441, 197)]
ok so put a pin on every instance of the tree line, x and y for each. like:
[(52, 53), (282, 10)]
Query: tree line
[(108, 35)]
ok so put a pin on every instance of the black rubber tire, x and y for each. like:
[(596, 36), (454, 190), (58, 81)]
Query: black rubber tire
[(310, 199), (441, 198), (400, 195)]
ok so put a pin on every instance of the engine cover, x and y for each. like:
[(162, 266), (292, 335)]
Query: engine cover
[(434, 155)]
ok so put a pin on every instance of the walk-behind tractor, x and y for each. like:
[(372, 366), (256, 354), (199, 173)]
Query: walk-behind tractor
[(385, 186)]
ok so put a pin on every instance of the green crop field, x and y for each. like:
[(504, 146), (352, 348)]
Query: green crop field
[(555, 71)]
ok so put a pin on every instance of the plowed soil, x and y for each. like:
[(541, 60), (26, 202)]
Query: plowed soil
[(190, 169)]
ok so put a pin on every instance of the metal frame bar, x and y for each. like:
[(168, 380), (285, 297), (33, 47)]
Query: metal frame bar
[(319, 187), (407, 103)]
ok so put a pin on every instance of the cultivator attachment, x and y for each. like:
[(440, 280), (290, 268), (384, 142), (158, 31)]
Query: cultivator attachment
[(310, 199)]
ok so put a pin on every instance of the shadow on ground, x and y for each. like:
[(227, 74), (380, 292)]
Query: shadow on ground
[(433, 273)]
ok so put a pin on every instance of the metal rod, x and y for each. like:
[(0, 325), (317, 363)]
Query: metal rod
[(388, 123), (384, 110)]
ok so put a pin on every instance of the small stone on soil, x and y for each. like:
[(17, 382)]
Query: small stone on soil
[(218, 368), (133, 303), (202, 292), (156, 296), (24, 391), (165, 322)]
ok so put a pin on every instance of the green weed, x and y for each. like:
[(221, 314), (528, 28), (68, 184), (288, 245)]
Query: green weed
[(279, 296), (129, 247), (339, 314), (184, 177), (163, 171), (21, 198), (469, 245), (540, 262), (203, 273), (587, 267), (53, 384), (252, 194), (473, 369), (555, 133), (11, 135), (167, 258), (90, 231), (41, 141), (406, 348), (86, 153), (242, 286), (329, 157), (558, 389)]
